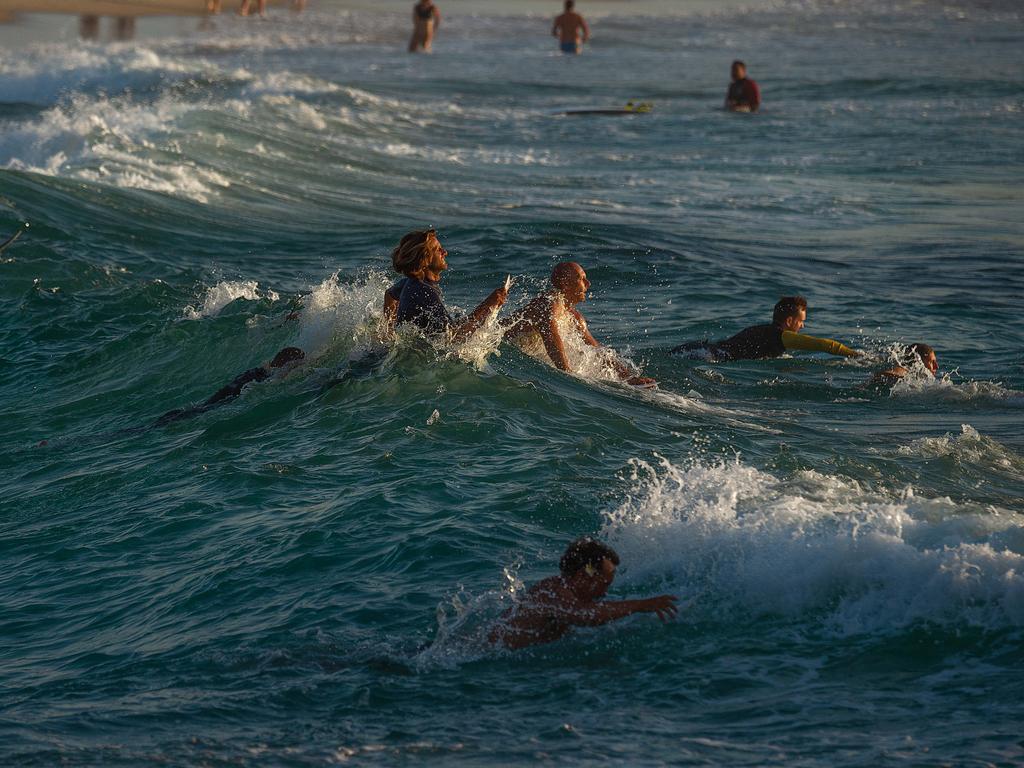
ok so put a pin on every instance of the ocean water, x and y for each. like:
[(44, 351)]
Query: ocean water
[(302, 576)]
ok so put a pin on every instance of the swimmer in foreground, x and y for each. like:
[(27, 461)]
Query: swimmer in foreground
[(283, 362), (570, 29), (426, 18), (743, 94), (553, 606), (914, 353), (763, 341), (417, 297), (543, 314)]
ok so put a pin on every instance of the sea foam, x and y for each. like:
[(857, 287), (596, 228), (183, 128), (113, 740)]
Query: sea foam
[(220, 295), (816, 547)]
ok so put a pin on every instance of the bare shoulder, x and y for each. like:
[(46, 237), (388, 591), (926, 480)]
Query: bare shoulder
[(549, 591)]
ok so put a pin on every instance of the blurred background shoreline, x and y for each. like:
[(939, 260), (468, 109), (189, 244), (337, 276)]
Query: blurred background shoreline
[(27, 22)]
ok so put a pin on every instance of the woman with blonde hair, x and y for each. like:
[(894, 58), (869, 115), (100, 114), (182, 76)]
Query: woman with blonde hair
[(417, 297)]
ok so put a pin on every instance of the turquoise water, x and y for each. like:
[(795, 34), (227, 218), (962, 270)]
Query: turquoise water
[(301, 577)]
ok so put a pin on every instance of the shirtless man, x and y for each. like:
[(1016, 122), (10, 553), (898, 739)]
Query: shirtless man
[(570, 29), (553, 606), (426, 18), (542, 315)]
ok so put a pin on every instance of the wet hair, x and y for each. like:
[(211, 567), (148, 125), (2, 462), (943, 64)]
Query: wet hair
[(287, 355), (738, 63), (921, 350), (569, 4), (584, 552), (788, 306), (411, 251)]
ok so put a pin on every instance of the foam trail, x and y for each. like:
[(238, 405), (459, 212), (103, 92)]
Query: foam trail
[(345, 315), (222, 294), (818, 547), (945, 389), (969, 447)]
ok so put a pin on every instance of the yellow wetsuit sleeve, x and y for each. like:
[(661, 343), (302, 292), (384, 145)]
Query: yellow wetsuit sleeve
[(792, 340)]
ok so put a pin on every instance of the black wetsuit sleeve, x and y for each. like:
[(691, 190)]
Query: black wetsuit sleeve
[(234, 389)]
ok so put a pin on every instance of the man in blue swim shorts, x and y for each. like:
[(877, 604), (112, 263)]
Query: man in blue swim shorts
[(570, 29)]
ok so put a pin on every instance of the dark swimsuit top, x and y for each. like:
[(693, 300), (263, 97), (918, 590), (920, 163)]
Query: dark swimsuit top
[(421, 304), (740, 93), (425, 13)]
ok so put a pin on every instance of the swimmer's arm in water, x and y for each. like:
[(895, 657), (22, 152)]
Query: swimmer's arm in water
[(597, 613), (890, 376), (479, 315), (806, 343), (586, 30), (390, 311), (552, 337), (624, 371)]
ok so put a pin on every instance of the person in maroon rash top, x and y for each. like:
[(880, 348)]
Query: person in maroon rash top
[(743, 94)]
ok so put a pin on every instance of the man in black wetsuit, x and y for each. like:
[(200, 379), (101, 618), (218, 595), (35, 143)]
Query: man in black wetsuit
[(283, 361), (761, 341)]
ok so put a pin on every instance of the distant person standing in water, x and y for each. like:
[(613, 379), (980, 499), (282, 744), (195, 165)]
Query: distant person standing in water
[(247, 5), (426, 18), (246, 8), (743, 94), (570, 29)]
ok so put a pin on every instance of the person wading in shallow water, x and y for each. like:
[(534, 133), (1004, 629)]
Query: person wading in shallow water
[(570, 29), (553, 606), (743, 94), (426, 18), (544, 314)]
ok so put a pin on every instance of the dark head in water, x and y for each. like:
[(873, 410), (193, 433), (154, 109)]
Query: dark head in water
[(420, 255), (287, 355), (571, 281), (790, 313), (588, 567), (739, 70), (926, 354)]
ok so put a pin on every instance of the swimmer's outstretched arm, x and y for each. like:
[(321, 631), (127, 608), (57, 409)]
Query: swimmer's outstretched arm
[(596, 614), (806, 343), (477, 317)]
